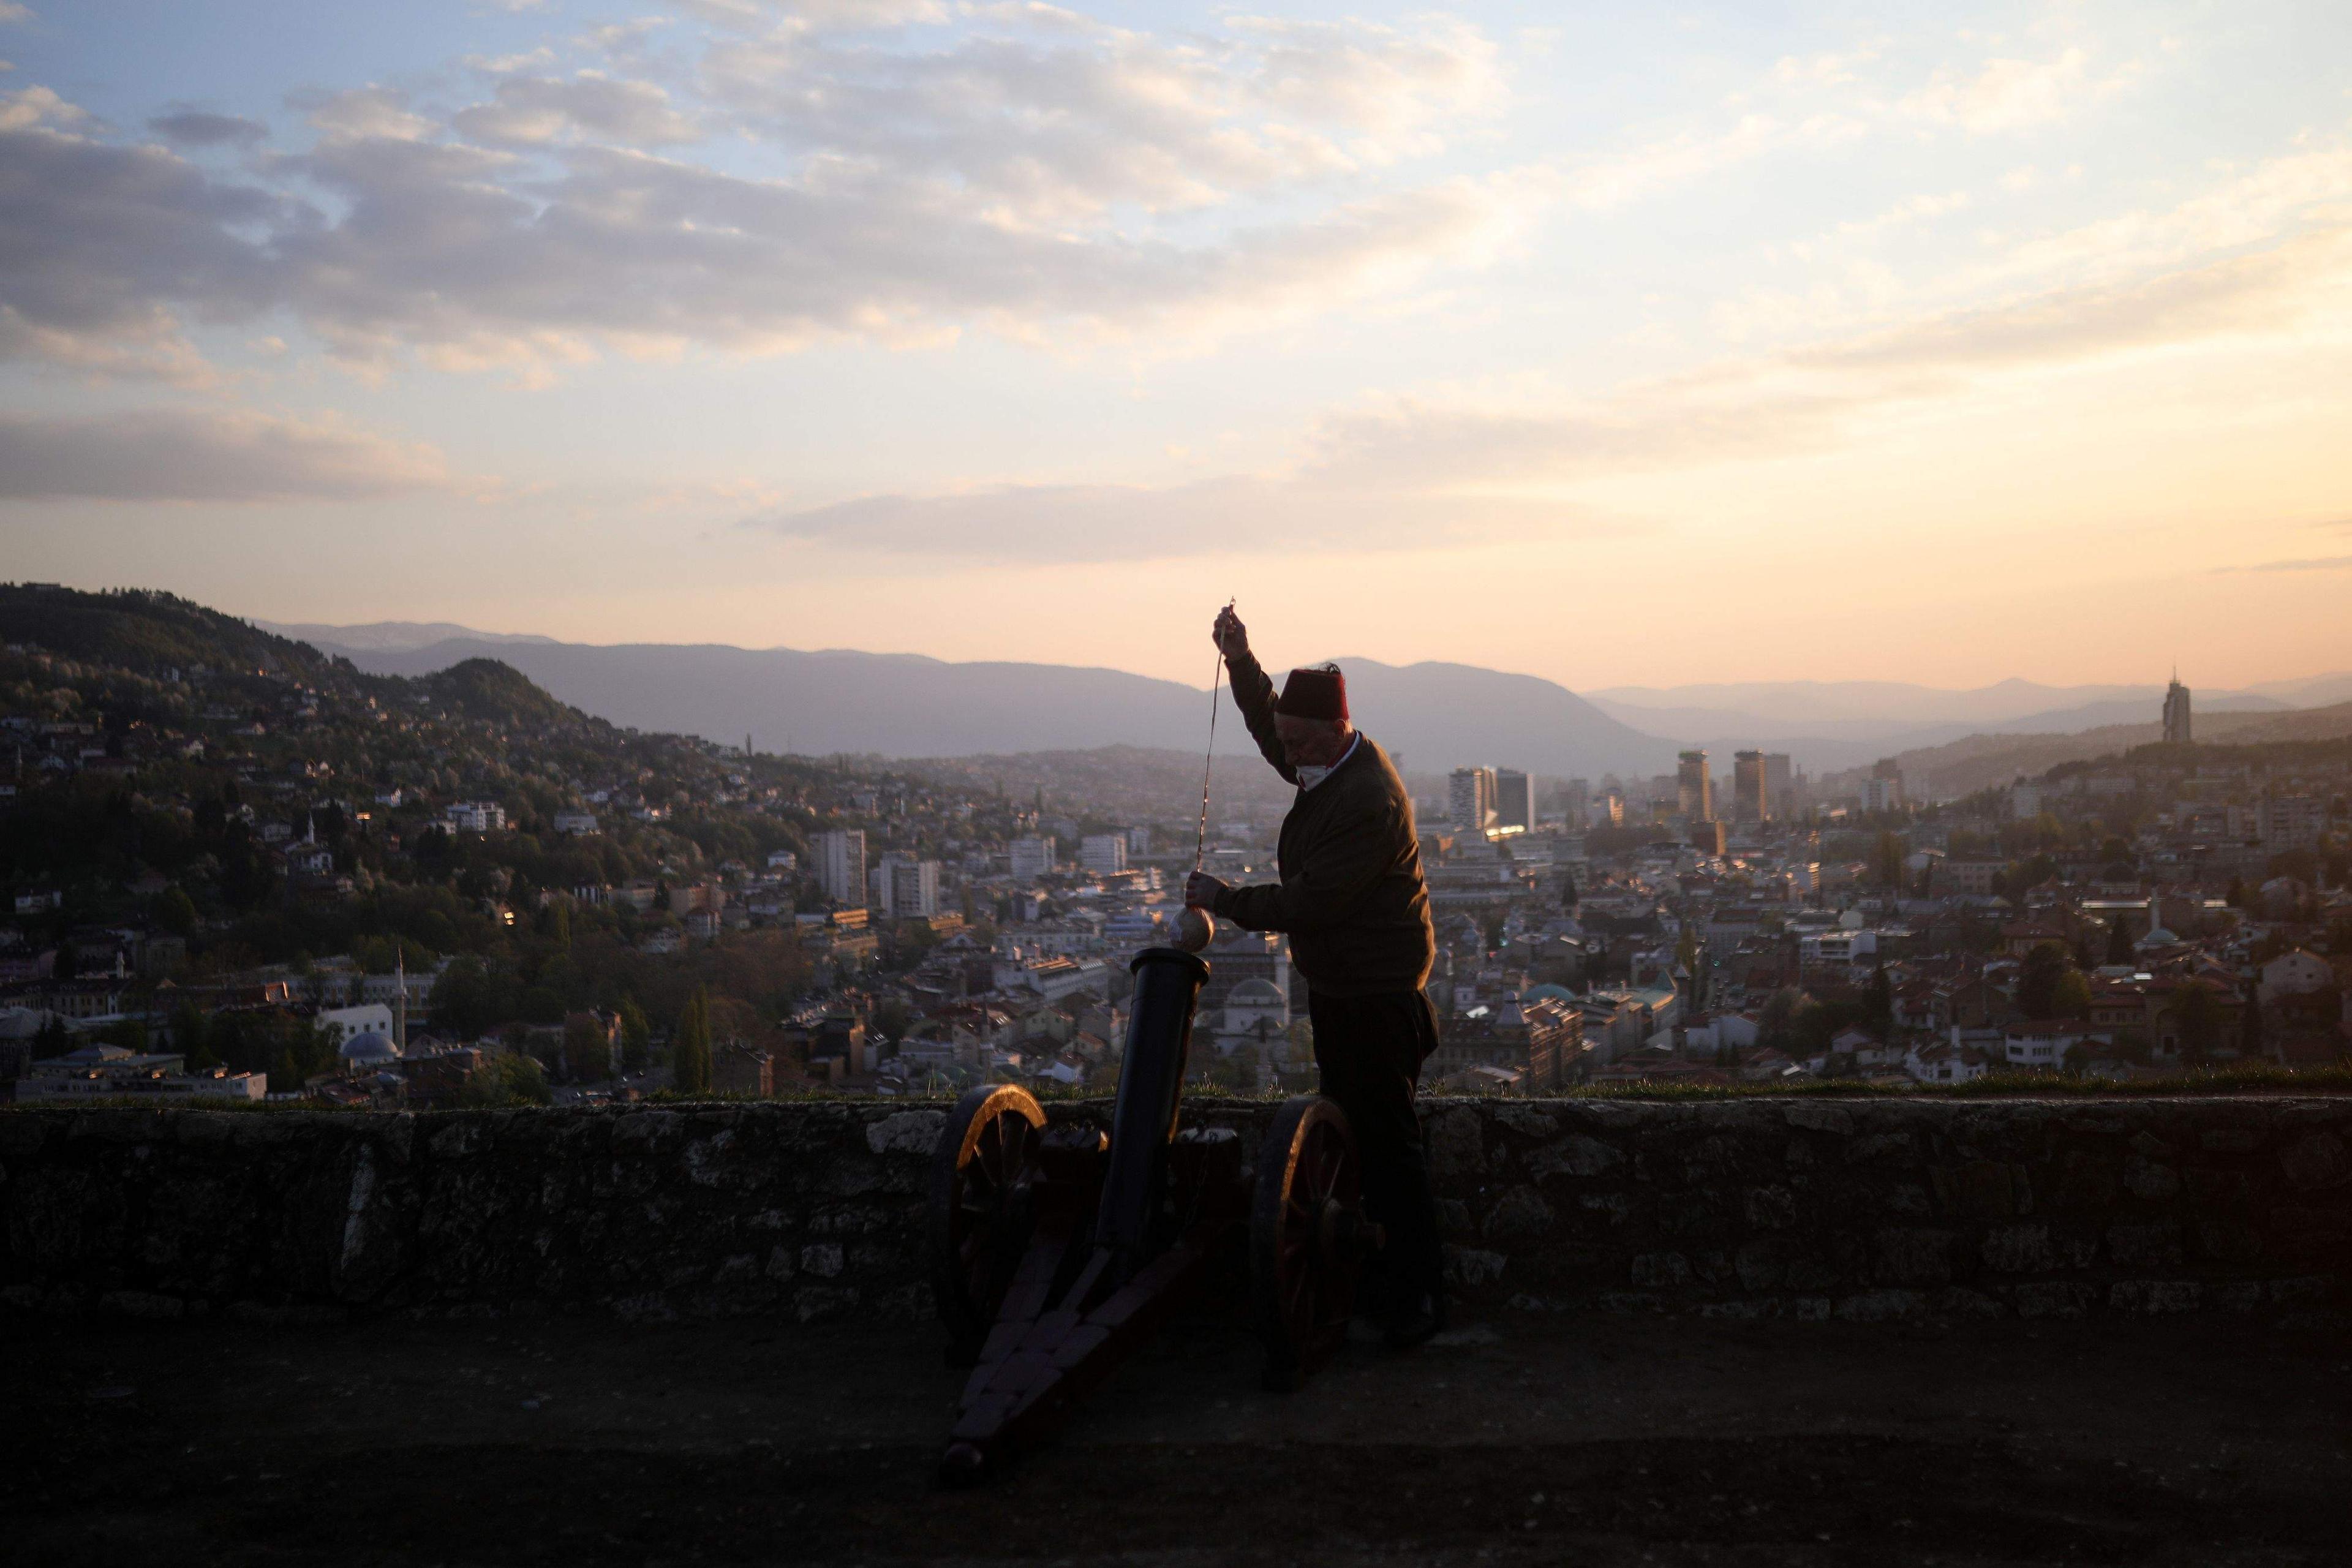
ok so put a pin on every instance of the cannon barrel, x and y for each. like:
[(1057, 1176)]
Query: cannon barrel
[(1150, 1085)]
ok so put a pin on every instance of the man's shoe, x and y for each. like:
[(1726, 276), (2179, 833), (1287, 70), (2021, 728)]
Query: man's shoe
[(1416, 1320)]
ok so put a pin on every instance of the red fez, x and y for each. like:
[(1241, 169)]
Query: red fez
[(1318, 693)]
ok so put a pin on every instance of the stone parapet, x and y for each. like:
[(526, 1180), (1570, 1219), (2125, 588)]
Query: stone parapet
[(1811, 1207)]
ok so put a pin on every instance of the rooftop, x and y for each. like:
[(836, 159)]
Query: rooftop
[(1523, 1438)]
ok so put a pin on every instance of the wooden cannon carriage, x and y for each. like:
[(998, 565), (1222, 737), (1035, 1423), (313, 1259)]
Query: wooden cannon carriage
[(1057, 1251)]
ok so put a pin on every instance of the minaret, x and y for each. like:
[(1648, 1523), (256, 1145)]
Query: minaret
[(400, 1001)]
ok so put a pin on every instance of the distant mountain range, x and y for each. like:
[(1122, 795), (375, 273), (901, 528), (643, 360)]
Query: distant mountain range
[(1435, 716)]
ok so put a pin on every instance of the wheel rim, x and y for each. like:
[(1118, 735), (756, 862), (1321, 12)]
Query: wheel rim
[(1305, 1286), (991, 1193), (982, 1170)]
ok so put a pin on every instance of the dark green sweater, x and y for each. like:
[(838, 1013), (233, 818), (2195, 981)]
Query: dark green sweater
[(1351, 895)]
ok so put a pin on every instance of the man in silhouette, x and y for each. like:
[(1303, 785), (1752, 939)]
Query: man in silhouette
[(1353, 903)]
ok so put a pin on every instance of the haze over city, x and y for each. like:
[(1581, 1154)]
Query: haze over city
[(1940, 343)]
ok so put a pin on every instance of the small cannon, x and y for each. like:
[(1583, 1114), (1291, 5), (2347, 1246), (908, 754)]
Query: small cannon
[(1057, 1252)]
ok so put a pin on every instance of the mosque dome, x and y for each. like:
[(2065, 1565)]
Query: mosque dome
[(1548, 992), (1255, 993), (368, 1048)]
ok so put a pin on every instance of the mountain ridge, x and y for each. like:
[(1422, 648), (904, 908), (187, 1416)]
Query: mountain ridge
[(1436, 715)]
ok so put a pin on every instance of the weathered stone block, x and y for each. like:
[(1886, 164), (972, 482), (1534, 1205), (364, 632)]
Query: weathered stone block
[(2019, 1250), (2155, 1298), (1520, 1215), (1771, 1208), (1982, 1189), (1652, 1269), (1912, 1256), (2054, 1298), (1455, 1145), (1881, 1306), (2143, 1246), (2226, 1241), (1526, 1120), (1575, 1155), (2317, 1161), (1818, 1118), (1468, 1268), (911, 1133), (2149, 1182)]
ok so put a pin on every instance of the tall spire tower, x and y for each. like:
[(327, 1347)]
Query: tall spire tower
[(2177, 731)]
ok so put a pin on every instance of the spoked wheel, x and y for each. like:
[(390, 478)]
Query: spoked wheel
[(1307, 1237), (981, 1170)]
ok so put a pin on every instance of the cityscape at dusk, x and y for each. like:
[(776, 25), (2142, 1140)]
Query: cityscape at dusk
[(936, 782)]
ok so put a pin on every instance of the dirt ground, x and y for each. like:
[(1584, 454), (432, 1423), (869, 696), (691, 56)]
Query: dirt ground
[(1523, 1439)]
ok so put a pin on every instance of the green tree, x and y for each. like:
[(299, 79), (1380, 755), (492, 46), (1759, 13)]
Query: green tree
[(53, 1040), (636, 1036), (2119, 939), (2038, 979), (2071, 997), (1886, 861), (2197, 1017), (175, 912), (508, 1078), (191, 1038), (587, 1049), (689, 1051), (1878, 1011)]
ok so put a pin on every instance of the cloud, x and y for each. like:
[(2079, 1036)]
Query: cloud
[(367, 113), (1425, 472), (103, 243), (10, 11), (815, 16), (1025, 524), (194, 128), (447, 251), (990, 179), (36, 106), (1045, 116), (189, 455), (1806, 397), (2318, 563), (2267, 291), (540, 109), (2014, 94)]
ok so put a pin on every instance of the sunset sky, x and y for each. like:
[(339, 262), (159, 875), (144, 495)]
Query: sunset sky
[(1614, 344)]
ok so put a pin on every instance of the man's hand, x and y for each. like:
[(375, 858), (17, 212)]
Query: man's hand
[(1201, 892), (1231, 636)]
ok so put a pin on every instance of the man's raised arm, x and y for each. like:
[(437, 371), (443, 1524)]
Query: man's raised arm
[(1252, 690)]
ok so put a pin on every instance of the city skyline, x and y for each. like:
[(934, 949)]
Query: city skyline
[(1952, 344)]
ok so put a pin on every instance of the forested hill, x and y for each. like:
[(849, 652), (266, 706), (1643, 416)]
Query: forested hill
[(151, 633), (159, 635)]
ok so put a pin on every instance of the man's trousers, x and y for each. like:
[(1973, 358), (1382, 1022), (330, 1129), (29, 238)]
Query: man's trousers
[(1370, 1050)]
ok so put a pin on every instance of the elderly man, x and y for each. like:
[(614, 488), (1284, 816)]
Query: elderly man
[(1352, 899)]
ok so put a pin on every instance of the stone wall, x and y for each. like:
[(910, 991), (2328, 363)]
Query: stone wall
[(1804, 1207)]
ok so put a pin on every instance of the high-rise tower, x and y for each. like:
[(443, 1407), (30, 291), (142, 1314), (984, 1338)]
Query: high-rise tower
[(2175, 714), (1694, 788)]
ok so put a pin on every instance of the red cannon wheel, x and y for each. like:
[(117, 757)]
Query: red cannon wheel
[(1308, 1236), (982, 1170)]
